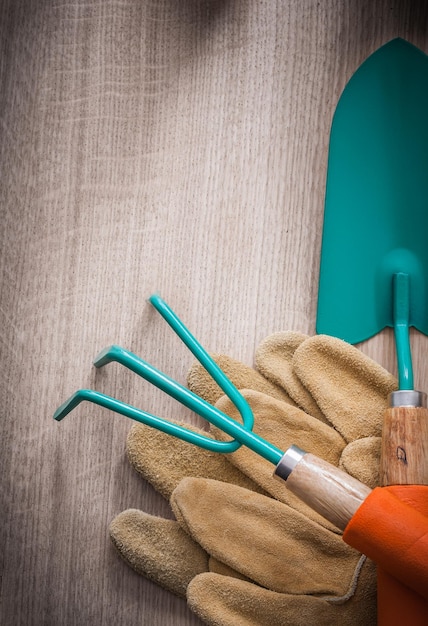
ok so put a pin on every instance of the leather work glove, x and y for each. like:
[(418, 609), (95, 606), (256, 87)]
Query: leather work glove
[(244, 550)]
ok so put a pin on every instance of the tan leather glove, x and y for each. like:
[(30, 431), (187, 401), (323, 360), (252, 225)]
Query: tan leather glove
[(295, 566)]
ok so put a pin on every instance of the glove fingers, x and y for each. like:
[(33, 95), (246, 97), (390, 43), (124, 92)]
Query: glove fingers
[(158, 549), (219, 600), (350, 388), (163, 460), (274, 359), (282, 425), (361, 459), (263, 539), (242, 376)]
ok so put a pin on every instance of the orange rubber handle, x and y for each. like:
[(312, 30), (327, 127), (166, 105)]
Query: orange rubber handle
[(391, 528)]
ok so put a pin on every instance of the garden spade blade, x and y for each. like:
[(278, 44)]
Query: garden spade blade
[(376, 204)]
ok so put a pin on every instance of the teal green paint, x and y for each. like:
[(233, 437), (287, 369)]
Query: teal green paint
[(401, 294)]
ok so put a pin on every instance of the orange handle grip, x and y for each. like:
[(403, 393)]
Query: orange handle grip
[(395, 535)]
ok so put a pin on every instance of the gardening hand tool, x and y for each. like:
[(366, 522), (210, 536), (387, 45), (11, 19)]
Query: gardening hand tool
[(374, 262), (238, 526), (329, 491)]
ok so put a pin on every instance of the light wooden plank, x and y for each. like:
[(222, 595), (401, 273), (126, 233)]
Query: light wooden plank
[(149, 146)]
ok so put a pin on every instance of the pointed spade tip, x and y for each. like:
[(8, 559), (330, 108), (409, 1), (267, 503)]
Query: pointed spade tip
[(399, 42)]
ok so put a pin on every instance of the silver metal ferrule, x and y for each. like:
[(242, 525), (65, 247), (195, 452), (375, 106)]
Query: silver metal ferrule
[(409, 398), (288, 462)]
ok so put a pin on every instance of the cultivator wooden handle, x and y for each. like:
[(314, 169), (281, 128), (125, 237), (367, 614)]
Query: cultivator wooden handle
[(326, 489)]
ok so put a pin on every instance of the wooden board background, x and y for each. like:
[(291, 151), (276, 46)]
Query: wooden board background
[(166, 146)]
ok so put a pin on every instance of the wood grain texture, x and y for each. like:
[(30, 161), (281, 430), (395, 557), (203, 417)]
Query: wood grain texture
[(404, 452), (166, 146), (327, 490)]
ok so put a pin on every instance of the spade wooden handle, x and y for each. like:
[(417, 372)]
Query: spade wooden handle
[(404, 451)]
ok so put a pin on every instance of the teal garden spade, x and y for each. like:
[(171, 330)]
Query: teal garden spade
[(374, 262)]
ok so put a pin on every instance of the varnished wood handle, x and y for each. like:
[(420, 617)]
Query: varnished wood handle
[(326, 489), (404, 451)]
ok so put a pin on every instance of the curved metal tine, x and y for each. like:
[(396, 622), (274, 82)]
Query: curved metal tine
[(145, 418), (205, 360)]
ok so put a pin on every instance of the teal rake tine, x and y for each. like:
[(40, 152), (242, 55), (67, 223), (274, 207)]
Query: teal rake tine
[(240, 433), (144, 418), (205, 360)]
